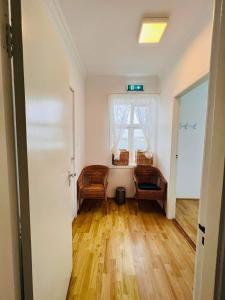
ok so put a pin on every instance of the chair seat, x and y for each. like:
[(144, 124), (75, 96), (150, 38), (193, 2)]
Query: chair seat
[(93, 191), (148, 186), (94, 187)]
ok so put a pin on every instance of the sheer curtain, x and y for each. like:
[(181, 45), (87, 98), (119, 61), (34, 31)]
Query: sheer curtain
[(130, 112), (146, 114), (119, 116)]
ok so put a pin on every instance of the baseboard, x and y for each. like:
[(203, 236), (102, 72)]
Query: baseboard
[(74, 220), (113, 198), (67, 294), (185, 235), (197, 199)]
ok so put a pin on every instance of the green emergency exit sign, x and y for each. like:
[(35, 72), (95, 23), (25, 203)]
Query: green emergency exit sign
[(135, 88)]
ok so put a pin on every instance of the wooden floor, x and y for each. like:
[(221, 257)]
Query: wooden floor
[(124, 256), (187, 216)]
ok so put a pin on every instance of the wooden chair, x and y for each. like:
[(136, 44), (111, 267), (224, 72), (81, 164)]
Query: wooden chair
[(92, 184), (150, 184)]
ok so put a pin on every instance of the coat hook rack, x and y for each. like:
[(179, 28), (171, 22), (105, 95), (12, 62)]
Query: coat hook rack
[(188, 125)]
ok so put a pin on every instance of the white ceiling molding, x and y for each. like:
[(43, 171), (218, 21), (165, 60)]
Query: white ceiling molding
[(61, 24)]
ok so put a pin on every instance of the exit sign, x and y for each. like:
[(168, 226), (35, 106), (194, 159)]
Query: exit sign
[(135, 88)]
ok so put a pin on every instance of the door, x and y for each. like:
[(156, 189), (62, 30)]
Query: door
[(43, 120), (213, 170), (72, 174)]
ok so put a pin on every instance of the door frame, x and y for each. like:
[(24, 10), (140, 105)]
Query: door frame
[(11, 284), (71, 89), (220, 266), (73, 121), (175, 133), (21, 150)]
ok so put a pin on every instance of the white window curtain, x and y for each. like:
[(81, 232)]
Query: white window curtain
[(133, 122)]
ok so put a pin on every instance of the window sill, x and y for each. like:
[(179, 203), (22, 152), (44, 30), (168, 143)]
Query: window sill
[(130, 166)]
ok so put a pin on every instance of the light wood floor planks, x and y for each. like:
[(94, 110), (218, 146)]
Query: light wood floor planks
[(187, 216), (124, 256)]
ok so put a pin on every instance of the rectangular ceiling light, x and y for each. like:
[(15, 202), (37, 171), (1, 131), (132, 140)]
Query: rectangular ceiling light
[(152, 30)]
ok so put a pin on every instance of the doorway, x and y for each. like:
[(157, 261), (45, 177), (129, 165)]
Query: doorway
[(189, 159)]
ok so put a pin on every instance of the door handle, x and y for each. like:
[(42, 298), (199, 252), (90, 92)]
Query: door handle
[(71, 175)]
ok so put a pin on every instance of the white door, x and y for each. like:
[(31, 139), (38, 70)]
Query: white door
[(213, 170), (48, 127)]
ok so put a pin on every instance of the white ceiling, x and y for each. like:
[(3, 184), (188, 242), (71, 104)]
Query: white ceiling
[(106, 33)]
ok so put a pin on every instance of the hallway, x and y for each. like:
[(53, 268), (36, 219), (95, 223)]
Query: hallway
[(124, 256), (89, 109)]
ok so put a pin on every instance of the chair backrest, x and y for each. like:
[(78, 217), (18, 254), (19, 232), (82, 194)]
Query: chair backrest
[(95, 174), (147, 174)]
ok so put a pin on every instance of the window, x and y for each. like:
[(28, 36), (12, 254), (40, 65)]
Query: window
[(132, 122)]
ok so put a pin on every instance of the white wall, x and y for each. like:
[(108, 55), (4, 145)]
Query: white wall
[(190, 67), (193, 108), (97, 123)]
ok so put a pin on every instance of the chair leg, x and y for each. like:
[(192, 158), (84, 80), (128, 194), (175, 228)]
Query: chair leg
[(106, 205), (139, 204), (136, 205), (164, 211), (78, 203)]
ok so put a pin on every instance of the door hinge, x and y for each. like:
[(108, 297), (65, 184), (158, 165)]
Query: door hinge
[(20, 230), (9, 40), (201, 227)]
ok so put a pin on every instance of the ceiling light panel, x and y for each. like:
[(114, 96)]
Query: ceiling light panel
[(152, 30)]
